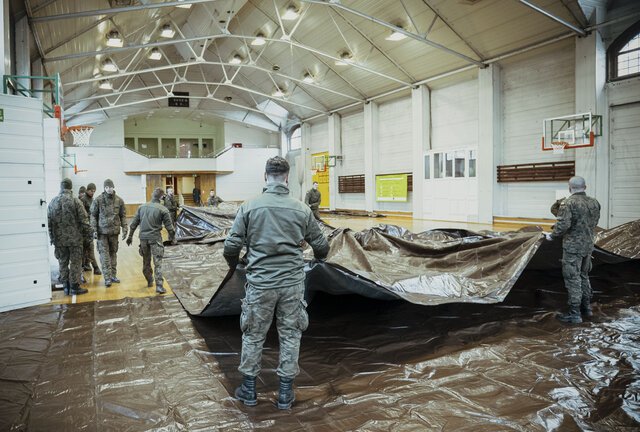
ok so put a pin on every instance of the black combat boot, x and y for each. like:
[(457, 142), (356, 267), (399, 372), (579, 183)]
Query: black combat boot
[(573, 316), (86, 267), (585, 307), (247, 391), (115, 279), (107, 282), (96, 270), (82, 278), (285, 393), (76, 290), (160, 289), (66, 287)]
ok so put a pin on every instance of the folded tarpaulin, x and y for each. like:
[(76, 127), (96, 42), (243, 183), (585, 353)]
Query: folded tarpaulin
[(387, 262)]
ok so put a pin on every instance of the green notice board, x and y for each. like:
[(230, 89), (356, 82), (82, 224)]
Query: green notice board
[(391, 187), (1, 114)]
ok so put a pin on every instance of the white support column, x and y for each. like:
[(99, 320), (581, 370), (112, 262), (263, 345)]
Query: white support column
[(592, 163), (23, 62), (37, 84), (490, 202), (335, 149), (5, 40), (306, 156), (370, 154), (420, 142)]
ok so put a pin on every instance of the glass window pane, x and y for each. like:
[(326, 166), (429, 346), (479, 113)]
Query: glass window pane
[(448, 165), (472, 163), (148, 146), (459, 163), (130, 143), (207, 147), (427, 167), (295, 142), (168, 147), (438, 165), (187, 146)]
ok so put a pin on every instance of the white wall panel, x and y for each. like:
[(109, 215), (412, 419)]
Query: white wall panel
[(535, 87), (319, 137), (394, 137), (247, 179), (250, 137), (454, 116), (352, 159)]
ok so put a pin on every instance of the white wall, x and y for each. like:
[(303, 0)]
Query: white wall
[(250, 137), (352, 159), (108, 134), (247, 179), (535, 86), (102, 163), (319, 137)]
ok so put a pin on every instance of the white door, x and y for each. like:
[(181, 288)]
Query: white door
[(24, 246), (625, 164)]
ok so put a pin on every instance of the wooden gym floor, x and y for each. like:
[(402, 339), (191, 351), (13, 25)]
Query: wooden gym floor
[(133, 283)]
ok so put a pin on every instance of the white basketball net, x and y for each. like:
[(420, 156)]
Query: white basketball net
[(558, 147), (81, 135)]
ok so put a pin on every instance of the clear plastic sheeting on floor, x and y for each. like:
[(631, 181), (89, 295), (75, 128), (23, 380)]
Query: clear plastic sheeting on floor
[(389, 262), (143, 365)]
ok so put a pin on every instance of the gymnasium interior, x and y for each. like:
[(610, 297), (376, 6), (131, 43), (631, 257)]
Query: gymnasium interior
[(439, 133)]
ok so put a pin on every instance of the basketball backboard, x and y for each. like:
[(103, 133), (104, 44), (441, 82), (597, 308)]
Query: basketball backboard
[(570, 131)]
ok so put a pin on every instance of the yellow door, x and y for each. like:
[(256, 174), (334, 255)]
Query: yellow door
[(319, 163)]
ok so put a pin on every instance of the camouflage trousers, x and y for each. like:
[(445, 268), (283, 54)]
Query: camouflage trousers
[(575, 270), (174, 216), (258, 308), (108, 250), (316, 213), (149, 248), (70, 262), (89, 256)]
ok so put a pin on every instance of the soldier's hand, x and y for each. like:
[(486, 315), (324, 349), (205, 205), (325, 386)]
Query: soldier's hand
[(124, 235), (95, 235), (548, 236), (231, 261), (129, 241)]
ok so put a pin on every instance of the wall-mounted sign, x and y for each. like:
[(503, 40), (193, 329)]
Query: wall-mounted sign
[(179, 99), (1, 114), (391, 187)]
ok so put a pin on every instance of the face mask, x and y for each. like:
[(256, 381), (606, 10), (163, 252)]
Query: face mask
[(170, 191), (212, 193), (315, 187), (109, 190)]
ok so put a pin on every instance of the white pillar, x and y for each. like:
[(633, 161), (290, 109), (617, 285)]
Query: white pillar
[(23, 62), (370, 154), (592, 163), (37, 84), (335, 149), (5, 40), (490, 202), (306, 156), (420, 142)]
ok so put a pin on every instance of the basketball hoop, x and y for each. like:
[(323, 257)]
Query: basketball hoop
[(314, 172), (558, 146), (80, 134)]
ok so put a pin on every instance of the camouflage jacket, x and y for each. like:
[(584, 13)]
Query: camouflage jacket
[(108, 214), (274, 227), (171, 203), (214, 201), (87, 201), (313, 198), (68, 221), (150, 216), (577, 219)]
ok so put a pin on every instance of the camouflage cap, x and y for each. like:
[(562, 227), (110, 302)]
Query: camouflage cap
[(82, 189), (91, 186), (108, 182), (66, 184), (277, 165)]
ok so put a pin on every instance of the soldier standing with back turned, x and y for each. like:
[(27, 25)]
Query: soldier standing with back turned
[(68, 227), (150, 216), (578, 216), (87, 249), (108, 215)]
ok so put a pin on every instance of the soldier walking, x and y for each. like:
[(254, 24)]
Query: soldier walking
[(312, 199), (151, 216), (87, 249), (68, 227), (171, 203), (108, 215), (273, 226), (578, 216)]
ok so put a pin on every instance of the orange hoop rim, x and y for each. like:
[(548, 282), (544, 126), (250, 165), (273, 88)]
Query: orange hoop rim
[(79, 128)]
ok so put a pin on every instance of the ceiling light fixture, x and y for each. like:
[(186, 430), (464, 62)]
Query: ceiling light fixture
[(291, 13), (308, 78), (184, 6), (155, 54), (167, 31), (278, 92), (259, 40), (105, 85), (114, 39), (109, 66), (345, 59), (396, 35), (236, 59)]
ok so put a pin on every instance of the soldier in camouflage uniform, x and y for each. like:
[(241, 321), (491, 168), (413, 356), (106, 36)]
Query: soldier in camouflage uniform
[(171, 203), (81, 192), (273, 226), (578, 216), (555, 208), (313, 199), (68, 227), (87, 249), (108, 215), (150, 217), (213, 200)]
